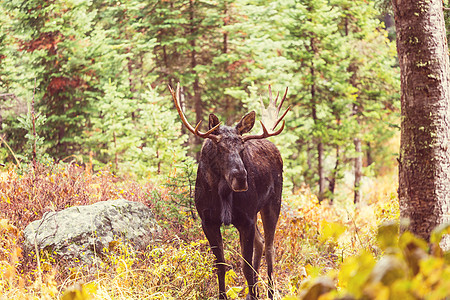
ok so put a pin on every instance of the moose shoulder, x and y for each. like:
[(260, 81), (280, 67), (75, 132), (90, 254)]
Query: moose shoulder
[(239, 176)]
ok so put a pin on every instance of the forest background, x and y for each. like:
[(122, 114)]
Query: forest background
[(85, 83), (102, 69)]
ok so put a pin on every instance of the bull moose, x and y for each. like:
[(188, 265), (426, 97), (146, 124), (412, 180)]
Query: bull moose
[(238, 176)]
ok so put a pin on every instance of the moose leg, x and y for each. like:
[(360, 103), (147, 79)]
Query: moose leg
[(258, 248), (270, 219), (247, 236), (212, 232)]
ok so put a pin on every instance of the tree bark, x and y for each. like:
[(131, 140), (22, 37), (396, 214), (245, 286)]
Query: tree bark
[(369, 154), (424, 165), (320, 153), (358, 170), (320, 150), (198, 105), (334, 174), (357, 108)]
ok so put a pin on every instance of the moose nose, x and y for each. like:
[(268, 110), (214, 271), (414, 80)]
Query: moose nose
[(238, 180)]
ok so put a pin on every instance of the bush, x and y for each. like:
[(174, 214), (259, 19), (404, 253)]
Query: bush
[(172, 266), (176, 270), (409, 269)]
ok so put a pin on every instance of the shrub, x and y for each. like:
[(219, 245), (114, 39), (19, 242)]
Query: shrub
[(409, 269), (176, 270)]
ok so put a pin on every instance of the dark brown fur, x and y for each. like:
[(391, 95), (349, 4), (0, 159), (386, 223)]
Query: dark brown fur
[(235, 181)]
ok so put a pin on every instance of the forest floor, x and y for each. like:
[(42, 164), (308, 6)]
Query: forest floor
[(311, 239)]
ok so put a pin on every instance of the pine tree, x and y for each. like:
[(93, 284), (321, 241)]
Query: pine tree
[(321, 57), (51, 34), (375, 100)]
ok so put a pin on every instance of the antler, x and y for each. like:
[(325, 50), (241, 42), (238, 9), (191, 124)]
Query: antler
[(271, 114), (195, 130)]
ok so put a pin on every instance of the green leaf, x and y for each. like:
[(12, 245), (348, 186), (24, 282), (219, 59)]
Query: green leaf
[(388, 269), (355, 272), (80, 292), (331, 231), (439, 232), (317, 288), (233, 292), (388, 235)]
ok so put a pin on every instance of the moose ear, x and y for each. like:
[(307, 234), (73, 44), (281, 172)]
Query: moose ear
[(213, 121), (246, 123)]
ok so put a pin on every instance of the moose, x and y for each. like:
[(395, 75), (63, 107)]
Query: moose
[(238, 176)]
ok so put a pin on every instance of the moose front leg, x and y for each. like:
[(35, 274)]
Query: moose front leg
[(212, 232), (247, 236), (258, 248), (269, 216)]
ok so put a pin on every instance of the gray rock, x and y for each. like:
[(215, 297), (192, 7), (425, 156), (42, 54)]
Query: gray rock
[(81, 233)]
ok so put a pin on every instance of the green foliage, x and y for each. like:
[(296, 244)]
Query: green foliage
[(181, 189), (331, 231), (175, 204), (95, 62), (46, 39), (139, 138), (407, 270), (447, 18), (336, 88), (80, 292), (34, 141)]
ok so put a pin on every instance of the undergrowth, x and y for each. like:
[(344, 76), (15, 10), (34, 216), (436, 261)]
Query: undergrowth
[(312, 239)]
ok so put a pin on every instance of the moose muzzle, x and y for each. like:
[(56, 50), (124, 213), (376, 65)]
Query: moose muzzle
[(238, 180)]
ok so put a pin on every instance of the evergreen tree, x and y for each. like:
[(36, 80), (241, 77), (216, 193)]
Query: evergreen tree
[(374, 78), (51, 34), (98, 64), (323, 90)]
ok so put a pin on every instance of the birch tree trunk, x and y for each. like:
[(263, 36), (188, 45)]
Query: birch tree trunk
[(424, 163)]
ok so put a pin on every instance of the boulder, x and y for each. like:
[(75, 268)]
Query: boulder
[(81, 233)]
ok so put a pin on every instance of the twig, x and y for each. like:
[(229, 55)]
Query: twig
[(8, 95), (356, 230), (12, 152), (38, 257), (33, 120)]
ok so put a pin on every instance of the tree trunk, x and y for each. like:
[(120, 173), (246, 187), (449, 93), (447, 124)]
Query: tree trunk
[(369, 154), (320, 150), (424, 165), (225, 33), (198, 105), (116, 154), (320, 153), (334, 174), (358, 170), (357, 108)]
